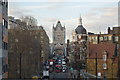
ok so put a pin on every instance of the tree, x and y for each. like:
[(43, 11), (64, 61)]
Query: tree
[(30, 21)]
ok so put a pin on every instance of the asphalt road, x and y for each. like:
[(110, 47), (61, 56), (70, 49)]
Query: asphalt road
[(60, 75)]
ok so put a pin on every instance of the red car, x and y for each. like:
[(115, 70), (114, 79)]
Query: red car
[(57, 68)]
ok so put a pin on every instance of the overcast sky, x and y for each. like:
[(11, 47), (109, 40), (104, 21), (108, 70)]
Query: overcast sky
[(97, 16)]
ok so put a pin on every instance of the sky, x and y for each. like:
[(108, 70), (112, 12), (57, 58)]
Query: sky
[(97, 16)]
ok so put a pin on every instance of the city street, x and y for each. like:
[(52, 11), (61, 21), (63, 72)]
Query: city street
[(49, 40), (60, 75)]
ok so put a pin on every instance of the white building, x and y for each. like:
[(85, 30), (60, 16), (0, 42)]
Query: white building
[(58, 45)]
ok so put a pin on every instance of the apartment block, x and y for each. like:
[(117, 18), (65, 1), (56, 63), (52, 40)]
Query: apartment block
[(3, 38)]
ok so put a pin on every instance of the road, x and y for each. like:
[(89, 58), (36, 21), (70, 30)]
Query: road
[(60, 75)]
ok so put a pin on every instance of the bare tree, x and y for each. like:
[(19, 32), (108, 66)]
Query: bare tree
[(30, 21)]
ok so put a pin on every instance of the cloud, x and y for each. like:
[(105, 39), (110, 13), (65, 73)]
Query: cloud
[(98, 22), (95, 20), (17, 11), (63, 0), (36, 7), (51, 19), (45, 6), (57, 0), (92, 21)]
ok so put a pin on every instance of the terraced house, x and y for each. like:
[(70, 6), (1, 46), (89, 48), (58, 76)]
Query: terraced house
[(3, 38), (102, 60), (104, 48)]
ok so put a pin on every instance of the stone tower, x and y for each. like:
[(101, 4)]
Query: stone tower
[(58, 45)]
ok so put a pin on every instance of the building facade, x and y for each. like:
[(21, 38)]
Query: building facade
[(78, 46), (59, 35), (27, 51), (102, 60), (112, 37), (3, 39)]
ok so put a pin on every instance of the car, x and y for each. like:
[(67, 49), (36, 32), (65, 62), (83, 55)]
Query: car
[(51, 63), (35, 77), (63, 70), (50, 69), (63, 62), (63, 59), (58, 68), (55, 58), (59, 60), (57, 71)]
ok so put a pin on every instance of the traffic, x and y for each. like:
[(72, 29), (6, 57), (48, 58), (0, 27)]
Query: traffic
[(55, 64)]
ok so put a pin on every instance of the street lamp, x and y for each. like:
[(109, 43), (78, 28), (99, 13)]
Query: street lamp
[(112, 66), (96, 66)]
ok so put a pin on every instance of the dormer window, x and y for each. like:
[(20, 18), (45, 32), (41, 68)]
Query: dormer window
[(105, 38), (104, 56), (101, 38)]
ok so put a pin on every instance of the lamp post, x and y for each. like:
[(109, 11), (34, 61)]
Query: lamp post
[(20, 66), (96, 66), (112, 67)]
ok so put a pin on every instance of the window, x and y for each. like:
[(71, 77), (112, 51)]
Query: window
[(104, 66), (116, 38), (4, 1), (3, 22), (110, 37), (104, 57), (5, 68), (105, 38), (90, 39), (94, 39), (101, 38), (5, 45), (117, 46), (6, 24)]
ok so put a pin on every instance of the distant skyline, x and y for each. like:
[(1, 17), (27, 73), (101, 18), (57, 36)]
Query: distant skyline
[(97, 16)]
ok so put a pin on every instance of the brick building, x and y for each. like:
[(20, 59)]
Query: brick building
[(113, 36), (3, 39), (102, 60)]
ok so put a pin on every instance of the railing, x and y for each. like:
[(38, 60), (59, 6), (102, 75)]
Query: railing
[(88, 75)]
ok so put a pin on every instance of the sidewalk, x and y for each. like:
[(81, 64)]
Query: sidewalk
[(73, 74)]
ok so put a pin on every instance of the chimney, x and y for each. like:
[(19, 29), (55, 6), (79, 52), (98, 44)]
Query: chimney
[(109, 30)]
